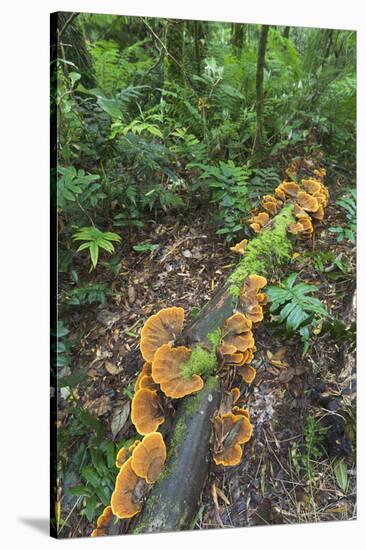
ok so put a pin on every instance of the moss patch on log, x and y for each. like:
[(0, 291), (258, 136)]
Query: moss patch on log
[(271, 248), (203, 361)]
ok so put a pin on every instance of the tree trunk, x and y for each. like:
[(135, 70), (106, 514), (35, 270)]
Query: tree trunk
[(72, 47), (286, 32), (174, 69), (259, 133), (238, 37)]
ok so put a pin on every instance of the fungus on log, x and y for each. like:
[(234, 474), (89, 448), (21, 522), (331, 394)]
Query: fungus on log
[(231, 431), (146, 413), (248, 373), (307, 202), (172, 503), (290, 188), (102, 522), (145, 371), (240, 248), (162, 328), (149, 456), (168, 372), (128, 495)]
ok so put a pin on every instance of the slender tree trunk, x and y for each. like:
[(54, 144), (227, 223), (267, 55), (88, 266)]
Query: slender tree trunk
[(259, 134), (174, 69), (197, 48), (286, 32), (73, 48), (238, 37)]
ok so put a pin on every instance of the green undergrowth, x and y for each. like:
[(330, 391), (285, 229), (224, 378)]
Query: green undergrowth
[(269, 249)]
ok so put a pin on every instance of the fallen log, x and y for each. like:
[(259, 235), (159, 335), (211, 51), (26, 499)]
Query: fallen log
[(172, 503)]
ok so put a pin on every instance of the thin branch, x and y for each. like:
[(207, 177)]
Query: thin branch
[(67, 23), (167, 52)]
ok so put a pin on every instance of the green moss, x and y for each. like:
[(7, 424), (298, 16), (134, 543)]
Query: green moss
[(201, 362), (271, 248), (214, 337)]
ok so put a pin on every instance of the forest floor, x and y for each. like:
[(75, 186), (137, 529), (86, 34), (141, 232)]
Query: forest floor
[(272, 483)]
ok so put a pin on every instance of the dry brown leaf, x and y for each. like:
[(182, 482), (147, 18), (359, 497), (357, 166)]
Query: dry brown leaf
[(277, 358), (288, 374), (341, 509), (120, 417), (131, 294), (99, 406), (108, 318), (222, 495), (111, 368)]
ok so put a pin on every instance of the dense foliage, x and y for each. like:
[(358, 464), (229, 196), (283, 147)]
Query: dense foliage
[(139, 145), (157, 120)]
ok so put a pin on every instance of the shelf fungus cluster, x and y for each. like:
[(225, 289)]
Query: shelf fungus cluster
[(260, 218), (310, 197), (172, 371), (232, 426), (139, 468), (164, 375)]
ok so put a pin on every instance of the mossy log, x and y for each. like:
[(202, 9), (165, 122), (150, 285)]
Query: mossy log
[(172, 503)]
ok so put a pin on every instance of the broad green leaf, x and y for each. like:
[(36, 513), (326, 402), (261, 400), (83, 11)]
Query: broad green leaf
[(90, 475), (94, 253), (340, 471), (90, 509), (79, 491)]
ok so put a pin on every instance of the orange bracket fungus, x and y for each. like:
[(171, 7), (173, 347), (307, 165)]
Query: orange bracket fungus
[(235, 392), (102, 522), (231, 431), (256, 227), (129, 493), (270, 204), (311, 186), (148, 382), (168, 372), (145, 371), (259, 221), (177, 493), (162, 328), (289, 188), (241, 247), (124, 453), (251, 299), (146, 412), (148, 458), (307, 202), (237, 333), (279, 192), (318, 214), (248, 373)]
